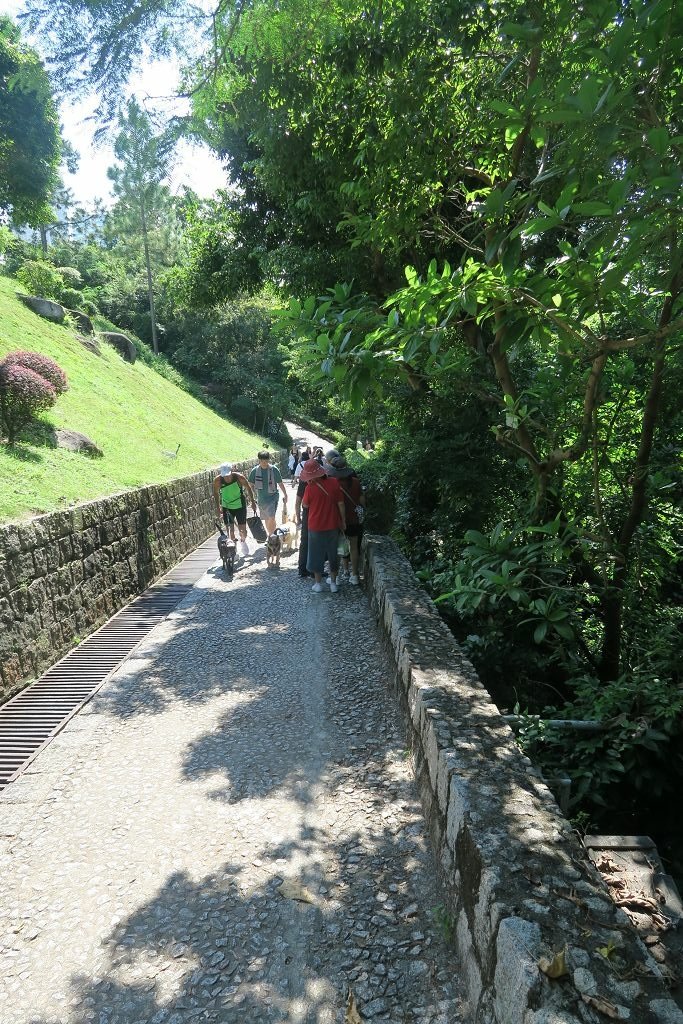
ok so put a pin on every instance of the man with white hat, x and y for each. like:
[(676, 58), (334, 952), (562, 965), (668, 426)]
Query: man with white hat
[(231, 504)]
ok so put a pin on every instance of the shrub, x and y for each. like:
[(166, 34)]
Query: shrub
[(70, 298), (40, 278), (42, 365), (23, 393), (70, 276)]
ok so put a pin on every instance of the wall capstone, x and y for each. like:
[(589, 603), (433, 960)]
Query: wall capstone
[(518, 883)]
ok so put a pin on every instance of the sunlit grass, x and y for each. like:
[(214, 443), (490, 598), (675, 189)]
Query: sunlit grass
[(131, 413)]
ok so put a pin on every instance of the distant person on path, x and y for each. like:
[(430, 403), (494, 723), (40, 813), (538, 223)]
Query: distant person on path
[(354, 498), (304, 455), (292, 462), (301, 515), (265, 480), (326, 516), (231, 505)]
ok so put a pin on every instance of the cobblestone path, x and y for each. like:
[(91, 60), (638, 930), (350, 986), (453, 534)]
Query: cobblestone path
[(248, 753)]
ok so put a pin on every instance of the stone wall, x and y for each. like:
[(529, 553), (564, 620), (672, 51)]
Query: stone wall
[(63, 574), (519, 885)]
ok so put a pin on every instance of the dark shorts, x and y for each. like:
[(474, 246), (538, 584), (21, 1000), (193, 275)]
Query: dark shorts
[(355, 530), (235, 515), (322, 545)]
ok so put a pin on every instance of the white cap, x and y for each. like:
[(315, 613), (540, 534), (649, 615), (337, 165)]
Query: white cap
[(225, 469)]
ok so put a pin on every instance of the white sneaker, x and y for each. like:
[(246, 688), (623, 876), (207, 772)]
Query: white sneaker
[(244, 547), (317, 588), (333, 587), (353, 580)]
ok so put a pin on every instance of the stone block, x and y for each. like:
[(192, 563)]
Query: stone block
[(665, 1011), (10, 542), (457, 810), (517, 979), (27, 537), (470, 968), (20, 569)]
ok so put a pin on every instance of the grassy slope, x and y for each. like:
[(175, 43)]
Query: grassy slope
[(130, 412)]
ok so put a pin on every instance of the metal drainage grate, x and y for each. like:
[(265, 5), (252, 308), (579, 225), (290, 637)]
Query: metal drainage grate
[(31, 719)]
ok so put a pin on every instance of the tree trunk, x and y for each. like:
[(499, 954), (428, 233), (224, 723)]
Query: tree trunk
[(150, 283), (43, 238), (610, 663)]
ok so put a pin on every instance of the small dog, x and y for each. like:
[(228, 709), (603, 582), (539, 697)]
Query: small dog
[(227, 549), (290, 536), (274, 548)]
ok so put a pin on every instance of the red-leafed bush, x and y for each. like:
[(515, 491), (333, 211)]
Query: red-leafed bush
[(42, 365), (23, 393)]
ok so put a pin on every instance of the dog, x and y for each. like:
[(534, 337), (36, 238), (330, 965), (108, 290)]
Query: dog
[(274, 548), (290, 536), (227, 549)]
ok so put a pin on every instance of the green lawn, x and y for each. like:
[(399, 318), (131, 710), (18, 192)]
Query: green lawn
[(129, 411)]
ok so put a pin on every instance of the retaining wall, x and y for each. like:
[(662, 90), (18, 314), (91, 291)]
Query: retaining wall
[(63, 574), (519, 885)]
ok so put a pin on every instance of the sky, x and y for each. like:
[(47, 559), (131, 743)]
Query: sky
[(195, 166)]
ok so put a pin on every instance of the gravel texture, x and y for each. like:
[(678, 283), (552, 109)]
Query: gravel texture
[(229, 831)]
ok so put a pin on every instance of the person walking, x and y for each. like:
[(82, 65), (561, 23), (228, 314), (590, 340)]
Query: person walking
[(326, 516), (304, 456), (231, 505), (292, 461), (265, 479), (354, 499), (301, 516)]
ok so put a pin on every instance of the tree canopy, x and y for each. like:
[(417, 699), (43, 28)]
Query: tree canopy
[(30, 146)]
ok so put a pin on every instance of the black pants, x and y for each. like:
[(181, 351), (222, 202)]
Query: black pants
[(303, 543)]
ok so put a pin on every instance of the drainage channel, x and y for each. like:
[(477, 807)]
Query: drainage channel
[(34, 717)]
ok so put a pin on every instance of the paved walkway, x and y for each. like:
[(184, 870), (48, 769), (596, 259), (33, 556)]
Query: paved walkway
[(155, 858)]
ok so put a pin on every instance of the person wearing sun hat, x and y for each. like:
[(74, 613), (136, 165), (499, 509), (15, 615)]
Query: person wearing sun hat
[(326, 516), (354, 498), (231, 505)]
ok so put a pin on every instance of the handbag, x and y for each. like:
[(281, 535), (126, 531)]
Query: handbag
[(343, 546), (359, 510), (257, 529)]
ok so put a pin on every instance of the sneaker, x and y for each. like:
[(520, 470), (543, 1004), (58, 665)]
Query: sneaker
[(353, 580), (244, 547), (333, 587), (317, 588)]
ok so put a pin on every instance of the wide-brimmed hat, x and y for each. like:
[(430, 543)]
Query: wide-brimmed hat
[(339, 468), (311, 469), (225, 469)]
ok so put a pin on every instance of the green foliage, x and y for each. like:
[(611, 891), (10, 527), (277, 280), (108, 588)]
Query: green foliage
[(30, 146), (635, 756), (41, 278), (142, 215)]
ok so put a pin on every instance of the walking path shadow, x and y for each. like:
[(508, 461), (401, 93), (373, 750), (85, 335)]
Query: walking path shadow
[(230, 831)]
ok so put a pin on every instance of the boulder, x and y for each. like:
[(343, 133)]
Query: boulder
[(82, 319), (43, 307), (89, 343), (75, 442), (123, 345)]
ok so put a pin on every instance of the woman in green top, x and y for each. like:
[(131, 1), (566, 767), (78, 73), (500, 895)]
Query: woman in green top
[(231, 505)]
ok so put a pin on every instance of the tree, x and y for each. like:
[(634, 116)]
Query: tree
[(549, 160), (143, 163), (30, 144)]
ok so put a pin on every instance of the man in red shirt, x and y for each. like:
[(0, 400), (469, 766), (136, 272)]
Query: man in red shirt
[(326, 517)]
